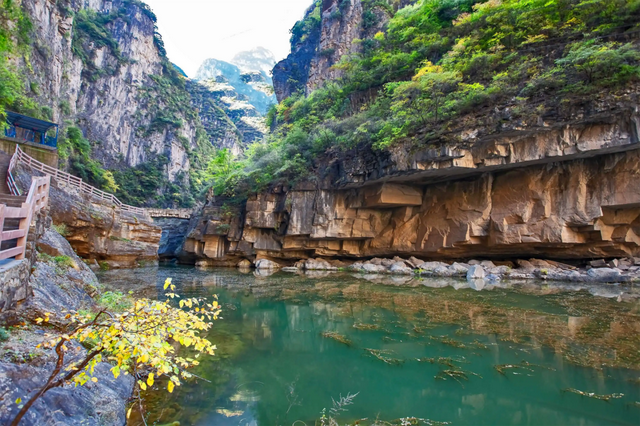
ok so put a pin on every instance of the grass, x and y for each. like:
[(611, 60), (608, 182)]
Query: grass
[(61, 229), (115, 301)]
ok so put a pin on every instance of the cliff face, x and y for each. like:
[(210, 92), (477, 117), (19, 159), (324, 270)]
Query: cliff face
[(99, 65), (330, 30), (565, 192)]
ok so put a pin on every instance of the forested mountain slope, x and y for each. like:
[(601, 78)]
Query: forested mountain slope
[(97, 67), (435, 74)]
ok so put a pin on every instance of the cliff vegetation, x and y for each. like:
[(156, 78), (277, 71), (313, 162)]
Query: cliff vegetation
[(435, 63)]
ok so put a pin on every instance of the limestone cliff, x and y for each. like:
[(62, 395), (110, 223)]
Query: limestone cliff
[(566, 192), (329, 30), (100, 65)]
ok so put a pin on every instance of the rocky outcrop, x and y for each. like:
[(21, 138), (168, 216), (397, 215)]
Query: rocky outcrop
[(96, 231), (330, 30), (567, 192), (60, 282)]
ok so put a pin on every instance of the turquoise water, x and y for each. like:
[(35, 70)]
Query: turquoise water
[(431, 349)]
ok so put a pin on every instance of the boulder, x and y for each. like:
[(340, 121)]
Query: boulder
[(600, 263), (604, 275), (245, 263), (373, 269), (525, 265), (318, 265), (487, 264), (267, 264), (400, 268), (459, 269), (358, 266), (443, 271), (475, 272), (414, 262), (431, 266)]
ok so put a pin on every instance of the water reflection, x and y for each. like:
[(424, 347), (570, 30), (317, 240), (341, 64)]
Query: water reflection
[(290, 343)]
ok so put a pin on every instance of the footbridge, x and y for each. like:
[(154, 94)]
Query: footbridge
[(74, 182)]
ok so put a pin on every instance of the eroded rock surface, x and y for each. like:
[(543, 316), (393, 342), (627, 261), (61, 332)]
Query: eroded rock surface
[(97, 231)]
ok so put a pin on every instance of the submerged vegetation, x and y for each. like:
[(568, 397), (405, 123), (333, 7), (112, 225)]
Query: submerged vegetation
[(436, 62)]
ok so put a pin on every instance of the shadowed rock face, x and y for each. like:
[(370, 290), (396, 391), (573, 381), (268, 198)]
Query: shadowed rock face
[(565, 193)]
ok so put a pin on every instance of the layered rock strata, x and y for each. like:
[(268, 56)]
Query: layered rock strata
[(97, 232), (565, 192)]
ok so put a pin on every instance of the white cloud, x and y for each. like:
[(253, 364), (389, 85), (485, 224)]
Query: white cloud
[(194, 30)]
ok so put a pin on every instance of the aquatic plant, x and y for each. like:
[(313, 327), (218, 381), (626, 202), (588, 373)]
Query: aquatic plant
[(361, 326), (524, 365), (594, 395), (455, 374), (336, 409), (381, 355), (448, 361), (337, 337)]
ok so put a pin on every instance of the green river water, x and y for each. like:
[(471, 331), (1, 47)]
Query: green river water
[(432, 349)]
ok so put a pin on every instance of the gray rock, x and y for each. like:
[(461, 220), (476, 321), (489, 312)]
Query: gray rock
[(604, 275), (443, 271), (401, 269), (101, 403), (473, 262), (613, 263), (475, 272), (374, 269), (459, 269), (487, 264), (431, 266), (387, 263), (290, 269), (375, 261), (358, 266), (318, 265), (492, 278), (600, 263), (414, 262), (267, 264)]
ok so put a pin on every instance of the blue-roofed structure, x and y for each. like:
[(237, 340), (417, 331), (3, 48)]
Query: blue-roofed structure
[(28, 129)]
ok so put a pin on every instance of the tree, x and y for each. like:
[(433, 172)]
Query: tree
[(424, 96), (141, 338)]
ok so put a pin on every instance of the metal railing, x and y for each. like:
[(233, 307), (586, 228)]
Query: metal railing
[(69, 180), (37, 199)]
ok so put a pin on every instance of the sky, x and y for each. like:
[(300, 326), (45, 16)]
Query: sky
[(195, 30)]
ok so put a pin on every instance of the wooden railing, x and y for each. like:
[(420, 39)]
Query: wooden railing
[(72, 181), (171, 213), (37, 199)]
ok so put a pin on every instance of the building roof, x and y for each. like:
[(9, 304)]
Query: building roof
[(30, 123)]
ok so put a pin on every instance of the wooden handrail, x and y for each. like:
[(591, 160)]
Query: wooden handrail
[(37, 199), (70, 180)]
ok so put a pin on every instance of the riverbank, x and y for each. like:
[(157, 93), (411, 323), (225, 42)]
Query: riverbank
[(60, 282), (598, 271)]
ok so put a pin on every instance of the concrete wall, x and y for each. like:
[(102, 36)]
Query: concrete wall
[(42, 153)]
